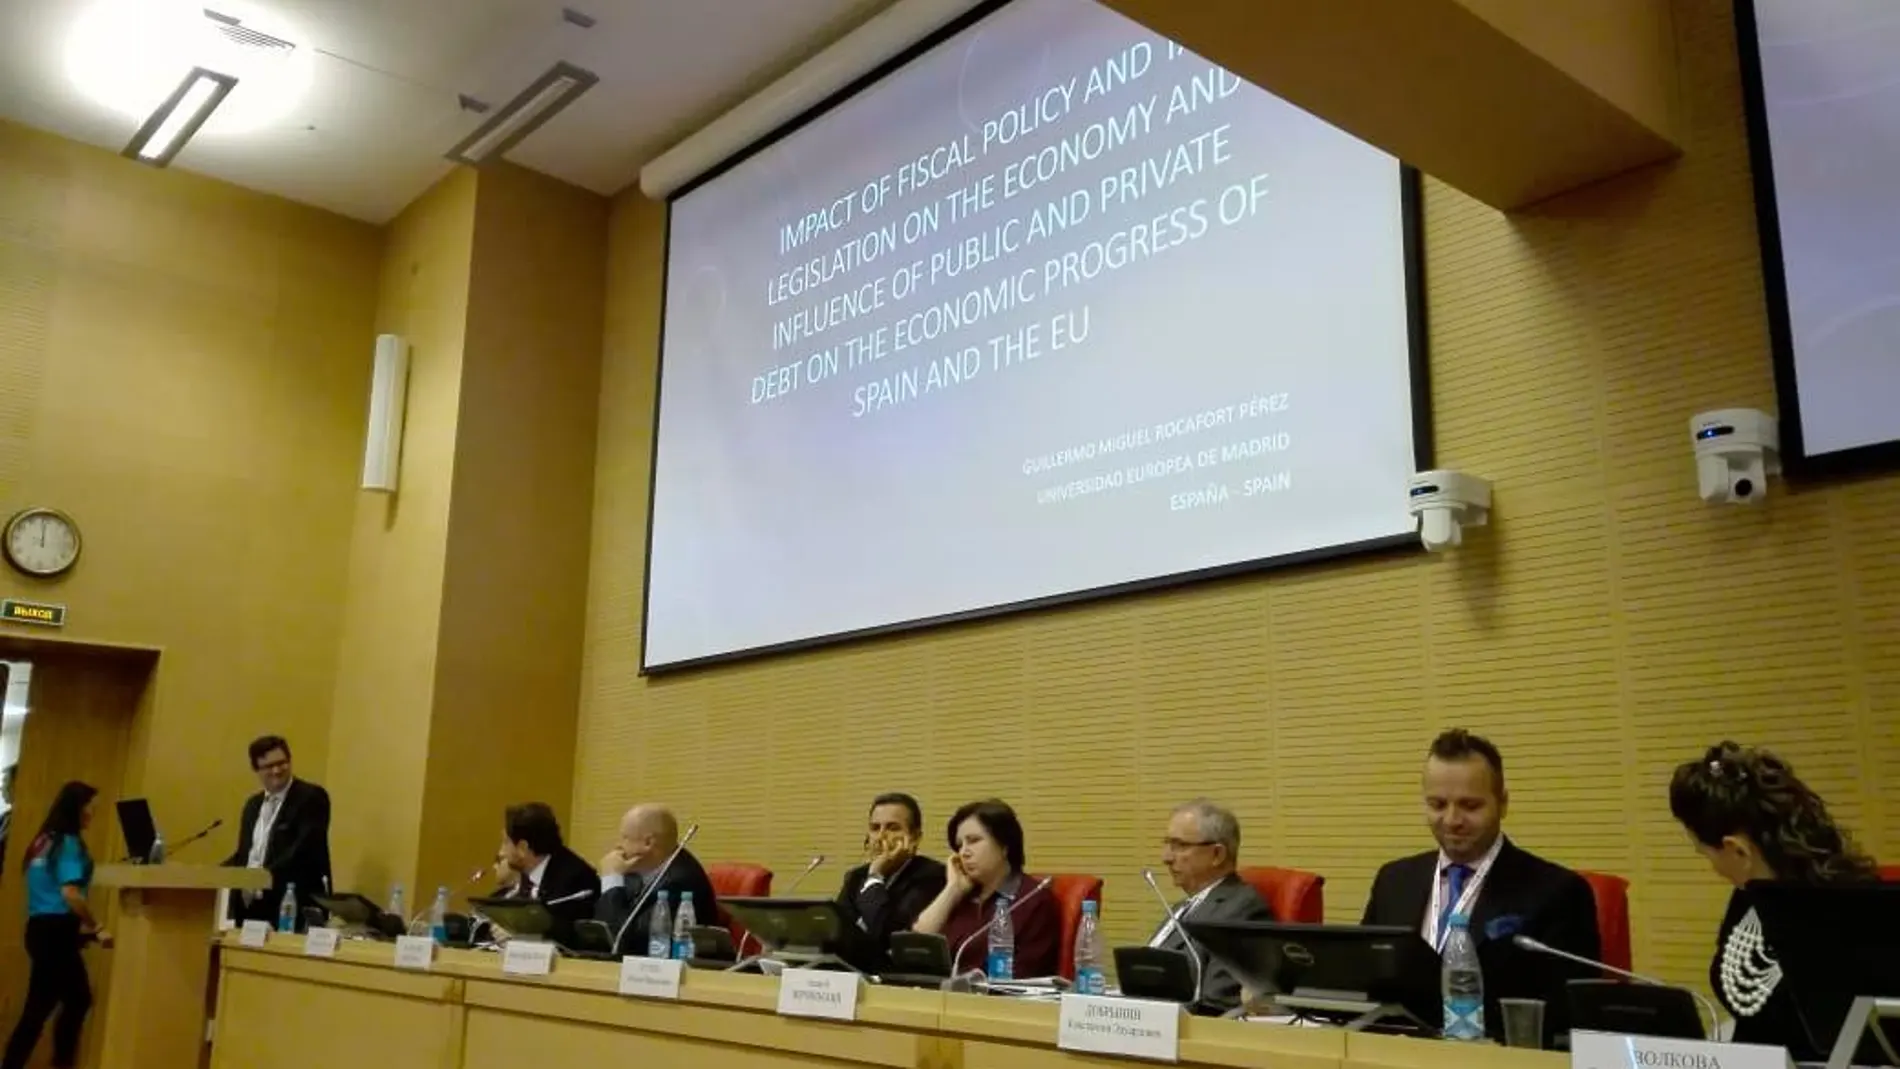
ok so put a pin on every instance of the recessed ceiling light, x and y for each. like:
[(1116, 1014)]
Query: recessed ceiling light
[(167, 129), (130, 56), (523, 115)]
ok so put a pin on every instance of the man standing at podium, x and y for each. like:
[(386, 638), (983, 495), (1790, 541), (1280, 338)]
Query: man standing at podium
[(285, 829)]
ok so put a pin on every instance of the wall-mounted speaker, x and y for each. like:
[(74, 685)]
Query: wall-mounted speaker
[(388, 390)]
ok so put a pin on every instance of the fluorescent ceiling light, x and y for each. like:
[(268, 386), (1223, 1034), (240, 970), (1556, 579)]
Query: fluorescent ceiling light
[(523, 115), (128, 56), (166, 130)]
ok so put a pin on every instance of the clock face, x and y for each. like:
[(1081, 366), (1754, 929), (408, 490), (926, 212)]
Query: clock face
[(42, 542)]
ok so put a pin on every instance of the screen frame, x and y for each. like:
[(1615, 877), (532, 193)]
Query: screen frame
[(1796, 461), (1418, 367)]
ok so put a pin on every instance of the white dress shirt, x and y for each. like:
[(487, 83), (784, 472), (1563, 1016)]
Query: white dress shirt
[(535, 876), (267, 811), (1467, 899), (1185, 908)]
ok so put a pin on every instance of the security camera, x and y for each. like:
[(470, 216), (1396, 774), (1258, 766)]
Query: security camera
[(1447, 502), (1736, 450)]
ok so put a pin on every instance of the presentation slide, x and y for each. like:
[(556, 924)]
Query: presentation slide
[(1830, 96), (1055, 307)]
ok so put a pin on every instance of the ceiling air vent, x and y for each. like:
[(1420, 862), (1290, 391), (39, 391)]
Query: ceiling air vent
[(243, 36)]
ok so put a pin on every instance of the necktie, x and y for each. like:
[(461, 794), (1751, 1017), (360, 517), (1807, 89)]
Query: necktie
[(1455, 877)]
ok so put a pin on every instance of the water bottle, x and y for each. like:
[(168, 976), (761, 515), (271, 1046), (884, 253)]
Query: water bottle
[(157, 854), (396, 905), (1089, 978), (1002, 961), (439, 917), (287, 910), (660, 929), (1463, 983), (683, 927)]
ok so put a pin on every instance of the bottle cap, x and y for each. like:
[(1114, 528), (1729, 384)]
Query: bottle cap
[(685, 896)]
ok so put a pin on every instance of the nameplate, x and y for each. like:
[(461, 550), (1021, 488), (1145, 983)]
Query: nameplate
[(526, 957), (415, 952), (650, 977), (818, 993), (320, 943), (254, 934), (1604, 1050), (1130, 1028)]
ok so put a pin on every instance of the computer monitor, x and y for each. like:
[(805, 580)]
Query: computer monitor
[(1354, 975), (141, 832), (811, 931), (1627, 1009), (524, 918), (1834, 943)]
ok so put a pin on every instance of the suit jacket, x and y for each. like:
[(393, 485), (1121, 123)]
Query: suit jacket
[(1232, 899), (1037, 925), (891, 906), (567, 875), (687, 874), (297, 851), (1522, 895)]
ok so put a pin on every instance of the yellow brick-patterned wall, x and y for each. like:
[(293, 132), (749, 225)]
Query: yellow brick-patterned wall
[(1606, 626)]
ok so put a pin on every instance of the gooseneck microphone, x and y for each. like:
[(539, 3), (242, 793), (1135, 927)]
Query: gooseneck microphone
[(473, 879), (1167, 911), (1525, 942), (208, 829), (810, 867), (653, 885), (983, 929)]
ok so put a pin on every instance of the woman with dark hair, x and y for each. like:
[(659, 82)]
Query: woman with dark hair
[(58, 922), (986, 874), (1753, 819)]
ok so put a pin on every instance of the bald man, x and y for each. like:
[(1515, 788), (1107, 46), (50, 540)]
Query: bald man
[(648, 835)]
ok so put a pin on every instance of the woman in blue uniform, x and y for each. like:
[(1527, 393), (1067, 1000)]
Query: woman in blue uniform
[(58, 923)]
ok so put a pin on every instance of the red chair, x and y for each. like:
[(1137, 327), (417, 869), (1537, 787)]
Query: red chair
[(1890, 873), (738, 880), (1294, 896), (1070, 891), (1613, 915)]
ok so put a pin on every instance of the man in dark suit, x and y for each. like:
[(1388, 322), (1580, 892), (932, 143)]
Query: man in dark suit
[(1502, 890), (285, 829), (541, 868), (648, 836), (1201, 852), (886, 893)]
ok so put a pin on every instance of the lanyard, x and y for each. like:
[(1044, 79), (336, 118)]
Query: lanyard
[(1436, 915)]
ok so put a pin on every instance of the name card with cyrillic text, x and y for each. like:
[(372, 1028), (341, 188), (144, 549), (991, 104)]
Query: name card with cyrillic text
[(650, 977), (817, 993), (320, 943), (1131, 1028), (254, 934), (526, 957), (415, 952), (1604, 1050)]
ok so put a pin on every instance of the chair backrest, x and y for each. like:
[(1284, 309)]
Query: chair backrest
[(739, 880), (1613, 915), (1890, 873), (1070, 891), (1294, 896)]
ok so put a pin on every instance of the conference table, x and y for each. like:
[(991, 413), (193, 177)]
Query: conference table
[(281, 1008)]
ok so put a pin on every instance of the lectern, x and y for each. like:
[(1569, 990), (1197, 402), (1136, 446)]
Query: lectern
[(154, 1004)]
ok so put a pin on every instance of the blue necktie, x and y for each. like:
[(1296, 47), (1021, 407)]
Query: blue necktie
[(1455, 877)]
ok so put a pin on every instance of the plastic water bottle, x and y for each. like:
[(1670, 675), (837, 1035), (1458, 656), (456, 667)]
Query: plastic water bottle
[(660, 929), (1089, 977), (439, 917), (396, 909), (683, 927), (157, 855), (287, 910), (1002, 961), (1463, 983)]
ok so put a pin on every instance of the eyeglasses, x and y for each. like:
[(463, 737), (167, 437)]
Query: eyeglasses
[(1178, 845)]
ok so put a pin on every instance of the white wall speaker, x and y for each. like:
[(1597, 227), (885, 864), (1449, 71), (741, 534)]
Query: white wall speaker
[(388, 391)]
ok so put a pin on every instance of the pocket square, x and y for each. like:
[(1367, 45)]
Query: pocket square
[(1503, 927)]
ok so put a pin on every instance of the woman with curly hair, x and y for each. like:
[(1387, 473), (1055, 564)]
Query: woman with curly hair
[(1753, 819)]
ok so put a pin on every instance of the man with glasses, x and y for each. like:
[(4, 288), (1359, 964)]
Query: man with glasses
[(285, 829), (1201, 852)]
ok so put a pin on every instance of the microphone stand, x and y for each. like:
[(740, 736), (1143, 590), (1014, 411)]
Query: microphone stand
[(738, 952), (957, 959), (1167, 911), (653, 885), (1535, 946)]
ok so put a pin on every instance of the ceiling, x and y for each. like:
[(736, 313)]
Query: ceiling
[(381, 106)]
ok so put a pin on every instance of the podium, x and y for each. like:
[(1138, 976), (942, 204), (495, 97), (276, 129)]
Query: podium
[(152, 1013)]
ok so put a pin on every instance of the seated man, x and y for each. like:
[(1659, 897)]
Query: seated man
[(1502, 890), (648, 836), (537, 865), (1201, 851), (886, 893)]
